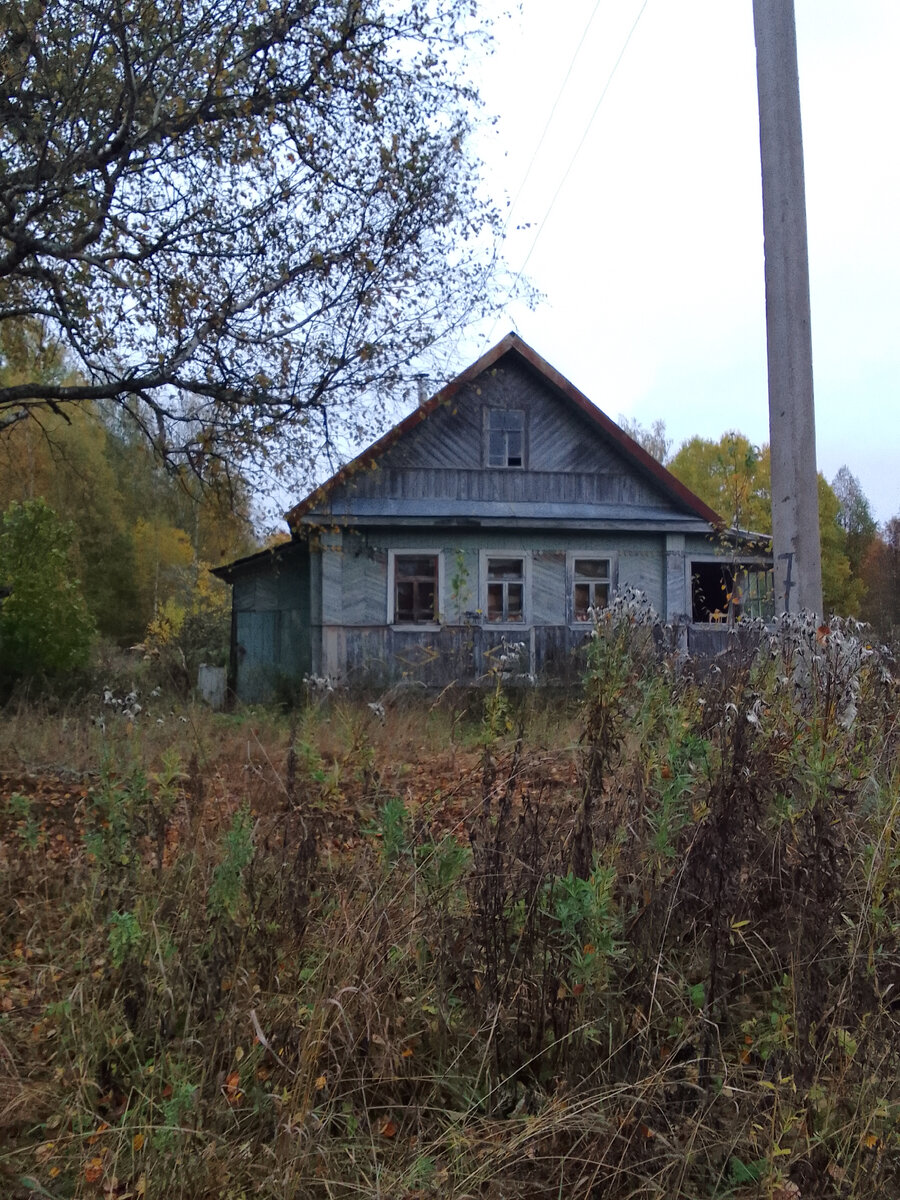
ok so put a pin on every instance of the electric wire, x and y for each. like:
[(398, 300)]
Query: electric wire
[(569, 168), (534, 156), (549, 121)]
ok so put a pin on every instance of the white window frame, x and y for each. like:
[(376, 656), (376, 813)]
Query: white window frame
[(598, 556), (525, 558), (414, 552)]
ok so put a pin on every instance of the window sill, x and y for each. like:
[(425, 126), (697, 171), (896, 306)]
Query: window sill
[(422, 628)]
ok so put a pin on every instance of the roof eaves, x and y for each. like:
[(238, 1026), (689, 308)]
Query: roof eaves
[(249, 561)]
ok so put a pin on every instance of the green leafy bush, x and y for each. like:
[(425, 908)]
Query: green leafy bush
[(45, 626)]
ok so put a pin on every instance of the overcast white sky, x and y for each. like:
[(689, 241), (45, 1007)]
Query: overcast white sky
[(650, 258)]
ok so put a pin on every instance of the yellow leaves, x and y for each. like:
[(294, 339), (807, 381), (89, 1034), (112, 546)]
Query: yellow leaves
[(137, 1142), (93, 1171), (321, 1083), (231, 1088)]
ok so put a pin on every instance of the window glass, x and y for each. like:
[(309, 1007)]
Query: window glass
[(590, 589), (505, 568), (506, 437), (755, 592), (506, 590), (418, 567), (495, 602), (415, 589)]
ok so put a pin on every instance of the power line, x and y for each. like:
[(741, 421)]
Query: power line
[(549, 121), (572, 160), (533, 160)]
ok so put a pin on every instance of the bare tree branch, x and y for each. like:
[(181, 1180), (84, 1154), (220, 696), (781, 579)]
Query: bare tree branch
[(252, 206)]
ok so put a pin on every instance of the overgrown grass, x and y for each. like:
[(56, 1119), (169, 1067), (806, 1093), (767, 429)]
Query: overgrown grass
[(651, 951)]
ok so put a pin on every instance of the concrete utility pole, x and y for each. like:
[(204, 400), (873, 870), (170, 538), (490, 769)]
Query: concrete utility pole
[(792, 423)]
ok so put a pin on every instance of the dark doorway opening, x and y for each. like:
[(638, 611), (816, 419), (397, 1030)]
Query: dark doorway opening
[(728, 591), (712, 586)]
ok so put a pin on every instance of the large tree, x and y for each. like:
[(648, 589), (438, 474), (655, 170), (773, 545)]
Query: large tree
[(232, 212), (731, 475), (881, 572), (854, 517)]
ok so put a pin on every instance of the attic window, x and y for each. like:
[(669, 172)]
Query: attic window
[(505, 437)]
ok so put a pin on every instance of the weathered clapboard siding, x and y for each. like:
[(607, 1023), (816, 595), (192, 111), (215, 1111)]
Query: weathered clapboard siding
[(644, 568), (609, 487), (359, 570), (383, 656), (453, 436), (549, 598), (325, 612), (271, 625), (567, 459)]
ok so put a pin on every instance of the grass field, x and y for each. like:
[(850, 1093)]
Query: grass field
[(641, 941)]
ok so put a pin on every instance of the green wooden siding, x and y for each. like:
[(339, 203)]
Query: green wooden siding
[(273, 644)]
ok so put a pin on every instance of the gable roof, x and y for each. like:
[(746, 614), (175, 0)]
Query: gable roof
[(645, 464)]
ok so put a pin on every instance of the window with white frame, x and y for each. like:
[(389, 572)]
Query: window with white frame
[(591, 584), (414, 588), (505, 437), (505, 590)]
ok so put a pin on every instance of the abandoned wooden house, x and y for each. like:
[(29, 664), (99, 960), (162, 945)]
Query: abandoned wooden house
[(500, 512)]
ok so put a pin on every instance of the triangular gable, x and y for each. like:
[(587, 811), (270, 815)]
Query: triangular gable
[(637, 459)]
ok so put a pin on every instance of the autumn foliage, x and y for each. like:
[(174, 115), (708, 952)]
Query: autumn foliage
[(643, 942)]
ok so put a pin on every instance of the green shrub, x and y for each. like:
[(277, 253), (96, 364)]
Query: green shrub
[(45, 626)]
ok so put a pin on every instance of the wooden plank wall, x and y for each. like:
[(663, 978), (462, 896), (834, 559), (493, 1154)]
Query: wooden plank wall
[(327, 613), (360, 647), (272, 616), (568, 460)]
